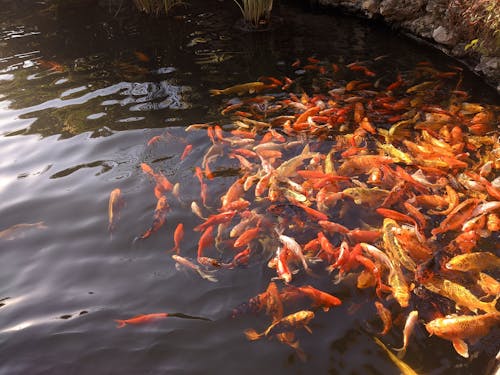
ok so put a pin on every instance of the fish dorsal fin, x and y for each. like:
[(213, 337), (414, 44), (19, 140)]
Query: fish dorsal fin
[(306, 149), (461, 347)]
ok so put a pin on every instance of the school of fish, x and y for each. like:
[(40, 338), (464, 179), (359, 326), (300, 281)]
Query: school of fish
[(338, 174)]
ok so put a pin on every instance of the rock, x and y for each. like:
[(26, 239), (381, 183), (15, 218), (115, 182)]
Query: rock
[(370, 7), (444, 36), (400, 10), (489, 66)]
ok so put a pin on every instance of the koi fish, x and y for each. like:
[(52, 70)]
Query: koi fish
[(403, 367), (457, 328), (458, 293), (178, 236), (159, 217), (474, 262), (206, 240), (114, 205), (274, 305), (140, 319), (19, 230), (411, 320), (250, 87), (186, 151), (385, 316), (285, 324), (319, 298), (188, 264), (295, 248)]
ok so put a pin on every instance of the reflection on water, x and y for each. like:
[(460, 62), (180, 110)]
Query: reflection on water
[(80, 96)]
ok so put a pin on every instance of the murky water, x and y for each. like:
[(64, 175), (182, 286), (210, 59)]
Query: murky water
[(81, 93)]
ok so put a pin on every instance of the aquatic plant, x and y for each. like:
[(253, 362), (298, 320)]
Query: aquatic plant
[(256, 12), (156, 6)]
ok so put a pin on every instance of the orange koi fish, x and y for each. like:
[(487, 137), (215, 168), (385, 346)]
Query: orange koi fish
[(206, 240), (223, 217), (457, 216), (141, 56), (247, 236), (385, 316), (140, 319), (186, 151), (178, 236), (160, 216), (459, 328), (114, 206), (319, 298)]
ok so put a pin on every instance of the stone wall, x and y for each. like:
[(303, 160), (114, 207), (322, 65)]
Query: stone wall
[(429, 21)]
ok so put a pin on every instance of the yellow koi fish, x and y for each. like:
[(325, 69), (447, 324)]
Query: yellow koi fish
[(286, 324), (241, 89), (457, 328), (474, 262), (460, 294)]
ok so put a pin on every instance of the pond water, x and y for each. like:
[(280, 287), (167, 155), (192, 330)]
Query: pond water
[(82, 91)]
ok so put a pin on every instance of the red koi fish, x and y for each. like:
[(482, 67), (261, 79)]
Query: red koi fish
[(223, 217), (186, 151), (319, 298), (140, 319), (178, 236), (206, 240)]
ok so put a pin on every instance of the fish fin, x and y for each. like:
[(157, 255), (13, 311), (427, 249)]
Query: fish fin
[(214, 92), (121, 323), (401, 352), (308, 329), (207, 276), (252, 334), (461, 347), (493, 304), (300, 353)]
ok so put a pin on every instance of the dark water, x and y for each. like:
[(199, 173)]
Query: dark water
[(73, 132)]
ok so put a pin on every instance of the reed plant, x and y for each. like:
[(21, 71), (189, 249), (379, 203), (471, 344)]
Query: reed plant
[(156, 6), (255, 12)]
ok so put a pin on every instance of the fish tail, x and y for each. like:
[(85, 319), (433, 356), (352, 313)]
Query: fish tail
[(121, 323), (207, 276), (401, 352), (214, 92), (252, 334), (300, 353), (493, 304)]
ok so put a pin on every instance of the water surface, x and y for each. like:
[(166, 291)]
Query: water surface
[(78, 104)]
